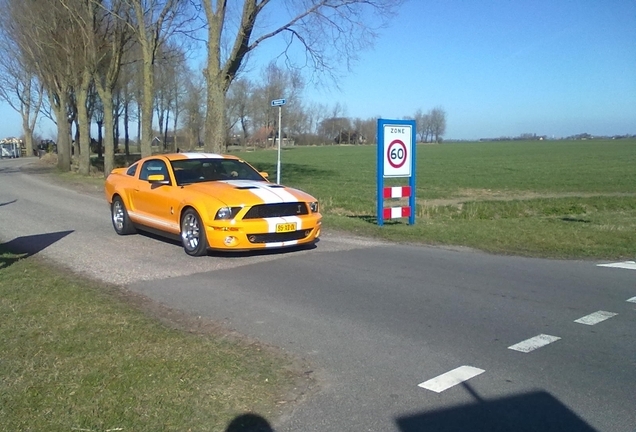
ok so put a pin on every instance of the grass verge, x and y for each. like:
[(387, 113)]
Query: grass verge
[(76, 355)]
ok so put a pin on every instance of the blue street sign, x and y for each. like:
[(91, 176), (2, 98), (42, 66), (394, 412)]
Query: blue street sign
[(278, 102)]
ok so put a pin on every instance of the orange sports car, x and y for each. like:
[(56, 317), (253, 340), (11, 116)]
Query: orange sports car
[(210, 201)]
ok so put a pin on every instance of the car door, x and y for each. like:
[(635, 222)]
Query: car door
[(157, 203)]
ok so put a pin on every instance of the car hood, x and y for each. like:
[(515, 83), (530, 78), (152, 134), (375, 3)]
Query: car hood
[(248, 192)]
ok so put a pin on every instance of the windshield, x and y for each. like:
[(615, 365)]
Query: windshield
[(202, 170)]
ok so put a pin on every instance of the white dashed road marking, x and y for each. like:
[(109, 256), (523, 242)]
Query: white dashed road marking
[(626, 265), (595, 318), (450, 379), (632, 300), (532, 344)]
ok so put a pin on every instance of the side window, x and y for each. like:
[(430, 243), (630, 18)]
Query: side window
[(153, 166), (132, 170)]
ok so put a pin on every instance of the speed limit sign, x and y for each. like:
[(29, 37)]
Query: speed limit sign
[(396, 154), (397, 150), (396, 158)]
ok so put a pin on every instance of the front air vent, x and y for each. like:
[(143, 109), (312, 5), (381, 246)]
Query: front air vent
[(277, 237), (262, 211)]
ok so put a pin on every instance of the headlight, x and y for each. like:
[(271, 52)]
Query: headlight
[(226, 213), (313, 206)]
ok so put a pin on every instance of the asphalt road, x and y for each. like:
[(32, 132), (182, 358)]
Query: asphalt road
[(400, 338)]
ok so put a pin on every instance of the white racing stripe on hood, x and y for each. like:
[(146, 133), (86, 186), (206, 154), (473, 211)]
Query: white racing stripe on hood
[(267, 194), (282, 192)]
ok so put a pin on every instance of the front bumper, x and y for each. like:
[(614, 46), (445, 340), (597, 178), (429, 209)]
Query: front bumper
[(261, 233)]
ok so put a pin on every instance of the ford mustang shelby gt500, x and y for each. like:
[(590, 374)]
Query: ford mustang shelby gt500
[(210, 201)]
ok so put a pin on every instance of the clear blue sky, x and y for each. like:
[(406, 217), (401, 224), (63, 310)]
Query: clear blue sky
[(497, 67), (503, 67)]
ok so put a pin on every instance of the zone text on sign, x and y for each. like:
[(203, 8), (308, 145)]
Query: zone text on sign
[(398, 130)]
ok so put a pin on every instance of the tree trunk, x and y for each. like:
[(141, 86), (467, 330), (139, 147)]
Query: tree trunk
[(63, 139), (107, 142), (84, 131), (215, 116), (28, 136), (175, 144), (100, 139), (145, 143), (109, 138), (165, 133)]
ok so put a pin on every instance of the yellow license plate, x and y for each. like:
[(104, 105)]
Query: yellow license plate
[(286, 227)]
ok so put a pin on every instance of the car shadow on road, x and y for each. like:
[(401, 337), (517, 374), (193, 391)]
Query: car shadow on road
[(27, 246), (536, 411)]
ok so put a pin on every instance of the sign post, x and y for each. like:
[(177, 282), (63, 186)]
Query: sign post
[(395, 159), (279, 103)]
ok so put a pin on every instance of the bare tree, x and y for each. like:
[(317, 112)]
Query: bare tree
[(48, 39), (239, 104), (153, 22), (170, 63), (327, 31), (193, 108), (368, 129), (276, 83), (438, 123), (316, 113), (19, 87), (98, 117), (83, 19), (111, 48), (423, 125), (177, 94), (332, 129)]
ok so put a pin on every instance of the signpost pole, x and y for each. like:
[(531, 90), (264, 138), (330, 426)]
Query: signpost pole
[(280, 137), (279, 103), (412, 202), (380, 172)]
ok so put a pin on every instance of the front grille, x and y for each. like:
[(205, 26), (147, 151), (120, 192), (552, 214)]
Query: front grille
[(278, 237), (276, 210)]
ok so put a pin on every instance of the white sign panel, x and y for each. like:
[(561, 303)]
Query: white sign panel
[(397, 150)]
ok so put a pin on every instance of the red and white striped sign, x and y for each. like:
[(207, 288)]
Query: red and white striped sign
[(397, 192), (396, 212)]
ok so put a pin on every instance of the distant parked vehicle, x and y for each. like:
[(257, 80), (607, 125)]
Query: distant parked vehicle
[(46, 146), (9, 149)]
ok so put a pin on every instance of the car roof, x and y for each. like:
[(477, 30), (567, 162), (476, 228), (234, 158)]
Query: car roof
[(194, 155)]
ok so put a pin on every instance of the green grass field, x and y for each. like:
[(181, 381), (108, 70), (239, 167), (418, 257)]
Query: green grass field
[(562, 199)]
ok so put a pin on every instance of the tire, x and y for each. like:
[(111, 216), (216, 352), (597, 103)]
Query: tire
[(120, 219), (193, 234)]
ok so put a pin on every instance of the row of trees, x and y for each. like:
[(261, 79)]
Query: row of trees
[(92, 56), (431, 126)]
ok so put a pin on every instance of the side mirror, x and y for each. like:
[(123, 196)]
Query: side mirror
[(264, 174), (157, 178)]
